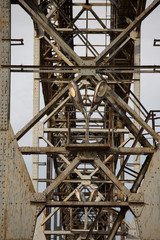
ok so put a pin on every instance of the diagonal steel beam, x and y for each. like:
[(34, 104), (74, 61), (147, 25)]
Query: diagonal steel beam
[(56, 209), (134, 189), (59, 53), (127, 108), (127, 31), (61, 2), (112, 177), (58, 108), (40, 18), (117, 50), (80, 35), (130, 125), (62, 176), (76, 17), (117, 223), (42, 112), (97, 18), (68, 162)]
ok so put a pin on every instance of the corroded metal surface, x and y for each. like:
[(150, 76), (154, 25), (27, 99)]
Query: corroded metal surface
[(150, 215), (18, 217), (87, 57), (4, 59)]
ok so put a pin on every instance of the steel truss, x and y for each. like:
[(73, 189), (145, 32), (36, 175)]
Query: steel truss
[(92, 137)]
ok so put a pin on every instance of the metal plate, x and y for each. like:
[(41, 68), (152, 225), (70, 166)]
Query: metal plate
[(17, 218)]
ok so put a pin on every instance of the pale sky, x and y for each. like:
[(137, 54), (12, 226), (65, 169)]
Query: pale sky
[(22, 83)]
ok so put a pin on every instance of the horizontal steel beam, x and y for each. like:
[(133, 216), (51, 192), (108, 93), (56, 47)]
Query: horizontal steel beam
[(81, 181), (91, 4), (86, 204), (104, 67), (83, 130), (110, 150), (43, 150), (80, 231), (88, 147), (132, 151), (77, 69), (90, 30)]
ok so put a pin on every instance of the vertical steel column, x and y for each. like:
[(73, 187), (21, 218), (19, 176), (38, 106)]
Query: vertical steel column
[(5, 36), (4, 105), (137, 52), (36, 106)]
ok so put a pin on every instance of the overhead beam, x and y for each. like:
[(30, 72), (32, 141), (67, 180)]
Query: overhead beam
[(127, 31), (78, 204), (110, 150), (107, 68), (83, 130), (43, 150), (79, 231)]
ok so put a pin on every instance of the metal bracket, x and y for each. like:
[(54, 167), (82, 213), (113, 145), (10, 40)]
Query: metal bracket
[(136, 203), (136, 198), (88, 71), (136, 210), (38, 198)]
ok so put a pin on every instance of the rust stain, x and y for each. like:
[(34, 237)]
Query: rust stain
[(5, 222)]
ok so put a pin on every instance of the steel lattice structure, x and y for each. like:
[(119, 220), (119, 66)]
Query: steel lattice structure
[(99, 144)]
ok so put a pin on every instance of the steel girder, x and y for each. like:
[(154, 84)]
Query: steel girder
[(96, 179)]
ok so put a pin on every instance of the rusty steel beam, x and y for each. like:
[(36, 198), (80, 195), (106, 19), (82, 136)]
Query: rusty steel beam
[(80, 231), (99, 156), (110, 150), (86, 66), (57, 208), (127, 31), (130, 125), (128, 109), (113, 178), (43, 150), (40, 18), (43, 111), (81, 204), (134, 189), (61, 177), (5, 52), (117, 223)]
